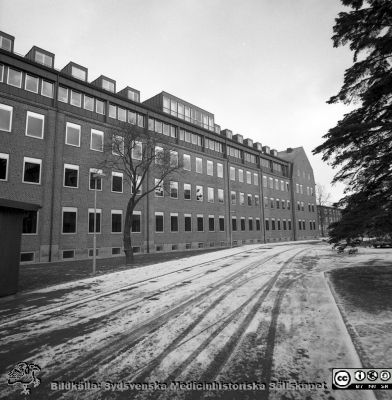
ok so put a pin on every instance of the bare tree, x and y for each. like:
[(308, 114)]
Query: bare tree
[(139, 154)]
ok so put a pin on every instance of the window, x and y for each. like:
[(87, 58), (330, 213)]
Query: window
[(250, 222), (248, 177), (5, 43), (95, 179), (122, 114), (78, 73), (96, 140), (137, 150), (199, 193), (242, 223), (136, 218), (187, 191), (116, 221), (44, 59), (116, 251), (302, 206), (69, 220), (298, 206), (277, 184), (265, 202), (232, 173), (108, 85), (277, 203), (5, 117), (62, 94), (301, 189), (99, 107), (76, 99), (267, 227), (265, 184), (249, 199), (242, 199), (117, 182), (221, 197), (271, 183), (173, 158), (91, 213), (200, 223), (14, 78), (67, 254), (88, 103), (241, 175), (35, 125), (284, 225), (210, 168), (234, 223), (288, 204), (134, 96), (30, 223), (221, 223), (71, 175), (159, 155), (4, 159), (187, 162), (118, 145), (255, 179), (287, 187), (31, 83), (278, 221), (113, 111), (211, 223), (187, 223), (233, 196), (219, 170), (210, 194), (273, 224), (32, 170), (27, 257), (174, 222), (199, 165), (257, 200), (174, 190), (140, 121), (47, 89), (257, 224), (158, 188), (289, 223), (272, 202)]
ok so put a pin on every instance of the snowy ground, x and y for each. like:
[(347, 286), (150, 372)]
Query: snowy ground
[(251, 314)]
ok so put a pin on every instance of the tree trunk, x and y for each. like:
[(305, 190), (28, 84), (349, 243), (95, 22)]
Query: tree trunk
[(127, 239)]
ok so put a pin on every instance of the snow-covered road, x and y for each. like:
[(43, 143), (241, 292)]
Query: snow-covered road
[(246, 315)]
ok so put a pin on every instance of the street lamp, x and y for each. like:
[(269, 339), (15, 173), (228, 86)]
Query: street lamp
[(95, 175)]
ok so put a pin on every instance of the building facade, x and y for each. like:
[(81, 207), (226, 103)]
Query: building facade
[(326, 216), (53, 125)]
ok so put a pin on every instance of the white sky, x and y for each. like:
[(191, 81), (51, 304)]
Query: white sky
[(265, 68)]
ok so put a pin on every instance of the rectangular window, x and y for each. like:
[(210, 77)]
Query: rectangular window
[(108, 85), (99, 107), (137, 150), (265, 183), (210, 168), (69, 222), (257, 200), (248, 177), (174, 190), (219, 170), (187, 191), (278, 224), (113, 111), (249, 199), (68, 254), (91, 213), (255, 179), (242, 223), (273, 224), (88, 103), (5, 117), (118, 147), (35, 125), (71, 175), (117, 182), (283, 204), (200, 223), (222, 223), (116, 221), (132, 117), (31, 83), (288, 204), (199, 193), (199, 165), (267, 227), (122, 114), (250, 222), (232, 173), (173, 159), (265, 202), (289, 223), (210, 194), (277, 203), (140, 121), (187, 162), (136, 218), (62, 94), (233, 196), (272, 202), (76, 99), (14, 78), (4, 160), (27, 257), (174, 222), (271, 183), (44, 59), (242, 199), (30, 223), (5, 43), (240, 175), (284, 225), (282, 186), (96, 140), (78, 73), (187, 223), (95, 179), (234, 223), (158, 188), (47, 89), (257, 224), (32, 170), (221, 196), (211, 223)]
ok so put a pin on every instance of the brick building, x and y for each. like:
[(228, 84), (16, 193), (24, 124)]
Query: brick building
[(53, 124), (326, 216)]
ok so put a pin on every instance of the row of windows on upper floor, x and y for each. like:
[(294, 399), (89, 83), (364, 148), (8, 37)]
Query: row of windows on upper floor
[(283, 186), (303, 174), (300, 190), (276, 203), (301, 206), (276, 224)]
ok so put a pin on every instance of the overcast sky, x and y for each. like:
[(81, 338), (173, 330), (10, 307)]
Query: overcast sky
[(265, 68)]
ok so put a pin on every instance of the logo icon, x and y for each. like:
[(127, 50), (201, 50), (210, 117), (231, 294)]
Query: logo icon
[(25, 374), (359, 375), (341, 378), (372, 375), (385, 375)]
